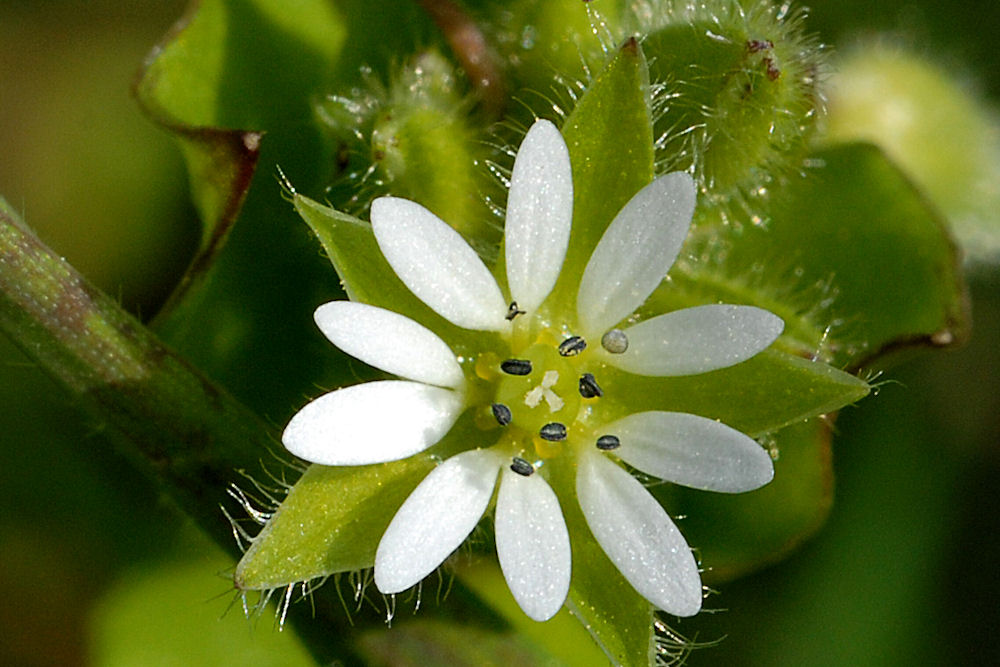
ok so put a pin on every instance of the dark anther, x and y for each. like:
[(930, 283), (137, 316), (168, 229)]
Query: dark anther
[(502, 413), (513, 311), (589, 387), (522, 467), (572, 346), (516, 366), (608, 442), (615, 341), (553, 432)]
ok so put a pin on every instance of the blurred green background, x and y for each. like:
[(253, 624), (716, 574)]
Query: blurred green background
[(102, 570)]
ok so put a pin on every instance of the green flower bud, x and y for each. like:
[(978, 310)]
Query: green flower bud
[(733, 85), (735, 95), (416, 138)]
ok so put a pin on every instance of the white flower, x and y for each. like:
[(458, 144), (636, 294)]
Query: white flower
[(543, 396)]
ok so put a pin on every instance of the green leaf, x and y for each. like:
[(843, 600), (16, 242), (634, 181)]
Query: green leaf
[(261, 65), (204, 75), (346, 511), (947, 141), (769, 391), (194, 624), (610, 140), (735, 534), (856, 247), (207, 89)]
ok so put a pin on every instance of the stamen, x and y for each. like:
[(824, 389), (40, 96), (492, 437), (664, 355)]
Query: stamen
[(522, 467), (589, 387), (502, 413), (615, 341), (553, 432), (516, 366), (572, 346), (608, 442), (513, 311)]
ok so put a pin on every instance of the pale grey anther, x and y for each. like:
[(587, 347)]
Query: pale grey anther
[(615, 341)]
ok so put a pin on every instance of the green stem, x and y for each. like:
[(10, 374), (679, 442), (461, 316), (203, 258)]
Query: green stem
[(190, 434)]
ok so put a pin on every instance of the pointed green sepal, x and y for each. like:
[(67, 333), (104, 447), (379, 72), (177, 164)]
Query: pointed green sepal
[(610, 140), (760, 395), (366, 275), (331, 521)]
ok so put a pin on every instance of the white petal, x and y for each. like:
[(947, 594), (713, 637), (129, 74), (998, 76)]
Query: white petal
[(539, 215), (435, 519), (638, 536), (389, 341), (436, 263), (372, 423), (697, 340), (635, 253), (693, 451), (532, 544)]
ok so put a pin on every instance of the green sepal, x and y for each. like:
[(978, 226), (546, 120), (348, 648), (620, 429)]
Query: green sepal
[(760, 395), (331, 521), (334, 516), (736, 534), (610, 140), (368, 278)]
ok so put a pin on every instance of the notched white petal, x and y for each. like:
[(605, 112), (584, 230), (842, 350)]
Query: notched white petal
[(693, 451), (435, 519), (635, 253), (389, 341), (539, 215), (372, 423), (437, 265), (697, 340), (532, 544), (638, 536)]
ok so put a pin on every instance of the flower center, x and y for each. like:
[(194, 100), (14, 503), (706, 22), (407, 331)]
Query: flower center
[(545, 394)]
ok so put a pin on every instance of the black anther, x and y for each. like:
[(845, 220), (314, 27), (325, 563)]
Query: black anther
[(589, 387), (516, 366), (502, 413), (572, 346), (513, 311), (522, 467), (553, 432), (608, 442)]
